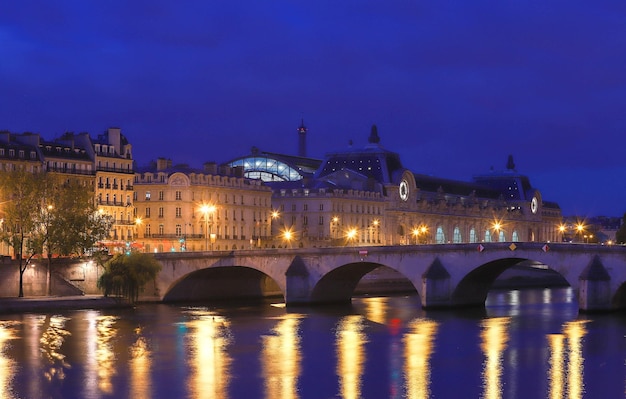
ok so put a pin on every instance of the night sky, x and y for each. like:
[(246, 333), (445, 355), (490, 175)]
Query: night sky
[(453, 86)]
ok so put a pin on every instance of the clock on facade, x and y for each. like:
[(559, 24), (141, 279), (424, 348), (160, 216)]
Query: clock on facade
[(404, 190), (534, 205)]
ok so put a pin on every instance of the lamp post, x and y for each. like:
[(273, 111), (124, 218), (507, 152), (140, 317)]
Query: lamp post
[(580, 228), (416, 233), (207, 210), (562, 229), (351, 235)]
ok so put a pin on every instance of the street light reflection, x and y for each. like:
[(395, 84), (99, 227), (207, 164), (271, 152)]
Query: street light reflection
[(281, 359), (418, 348), (7, 365), (350, 355), (140, 365), (209, 337), (494, 341)]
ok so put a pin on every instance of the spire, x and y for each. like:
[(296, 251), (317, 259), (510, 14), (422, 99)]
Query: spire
[(302, 139), (373, 138), (510, 165)]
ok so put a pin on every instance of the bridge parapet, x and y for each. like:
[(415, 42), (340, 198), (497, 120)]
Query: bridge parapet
[(444, 275)]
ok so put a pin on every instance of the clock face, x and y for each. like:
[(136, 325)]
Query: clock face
[(404, 190), (534, 205)]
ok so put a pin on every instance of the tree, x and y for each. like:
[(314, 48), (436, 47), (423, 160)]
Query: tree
[(22, 193), (620, 235), (69, 223), (126, 275)]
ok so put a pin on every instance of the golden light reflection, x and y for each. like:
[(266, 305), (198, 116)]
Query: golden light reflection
[(418, 348), (140, 365), (376, 309), (350, 355), (575, 331), (50, 344), (7, 365), (209, 360), (105, 357), (281, 359), (557, 348), (494, 340)]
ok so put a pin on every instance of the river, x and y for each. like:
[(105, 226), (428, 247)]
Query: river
[(527, 343)]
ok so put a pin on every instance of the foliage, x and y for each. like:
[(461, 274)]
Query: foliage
[(22, 195), (126, 275), (43, 213), (620, 235)]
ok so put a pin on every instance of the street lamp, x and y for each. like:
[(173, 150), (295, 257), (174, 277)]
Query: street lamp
[(207, 210), (416, 233), (334, 226), (288, 236), (562, 229), (351, 234), (580, 228)]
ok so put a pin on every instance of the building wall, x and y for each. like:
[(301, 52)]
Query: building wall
[(170, 206)]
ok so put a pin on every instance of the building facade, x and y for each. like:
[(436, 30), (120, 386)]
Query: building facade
[(185, 209)]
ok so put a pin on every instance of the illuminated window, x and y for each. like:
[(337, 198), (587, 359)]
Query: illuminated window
[(440, 237), (456, 238)]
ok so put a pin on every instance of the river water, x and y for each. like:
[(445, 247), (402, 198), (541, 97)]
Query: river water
[(524, 344)]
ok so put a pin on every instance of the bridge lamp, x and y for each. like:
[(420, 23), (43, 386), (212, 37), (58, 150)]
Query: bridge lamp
[(579, 229), (275, 214), (288, 235)]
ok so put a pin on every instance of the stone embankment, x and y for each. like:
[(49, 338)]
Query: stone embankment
[(47, 304)]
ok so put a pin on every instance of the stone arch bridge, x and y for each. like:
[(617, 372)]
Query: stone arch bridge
[(444, 275)]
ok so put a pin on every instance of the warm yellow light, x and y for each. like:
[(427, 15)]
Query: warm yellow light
[(50, 207), (275, 214), (351, 234), (497, 226), (580, 227), (206, 209), (138, 221), (335, 219), (562, 228), (375, 222), (415, 232), (287, 235), (423, 229)]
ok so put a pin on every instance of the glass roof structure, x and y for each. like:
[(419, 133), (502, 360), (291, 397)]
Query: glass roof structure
[(266, 169)]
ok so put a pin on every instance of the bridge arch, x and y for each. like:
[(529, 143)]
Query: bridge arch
[(223, 283), (339, 285), (474, 287)]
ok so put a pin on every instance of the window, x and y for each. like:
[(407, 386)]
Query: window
[(293, 207), (147, 230), (321, 221), (487, 236), (179, 195), (147, 195), (305, 207), (160, 212), (160, 195), (179, 230), (501, 237), (147, 213), (472, 236), (321, 207), (457, 236), (305, 220), (440, 237), (179, 212), (515, 237)]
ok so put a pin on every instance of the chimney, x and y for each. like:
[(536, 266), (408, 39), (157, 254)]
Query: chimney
[(163, 163)]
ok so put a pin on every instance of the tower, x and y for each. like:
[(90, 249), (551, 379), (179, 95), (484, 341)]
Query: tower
[(302, 139)]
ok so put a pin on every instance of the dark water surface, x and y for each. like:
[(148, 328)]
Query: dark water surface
[(524, 344)]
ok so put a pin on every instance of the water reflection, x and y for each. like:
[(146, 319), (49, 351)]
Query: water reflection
[(208, 340), (418, 348), (281, 359), (7, 365), (568, 358), (139, 365), (494, 338), (50, 344), (105, 357), (350, 341)]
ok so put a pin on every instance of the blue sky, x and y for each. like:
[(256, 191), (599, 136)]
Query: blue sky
[(453, 86)]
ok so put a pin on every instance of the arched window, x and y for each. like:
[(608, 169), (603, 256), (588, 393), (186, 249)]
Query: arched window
[(472, 237), (487, 236), (514, 237), (440, 237), (501, 237), (457, 236)]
